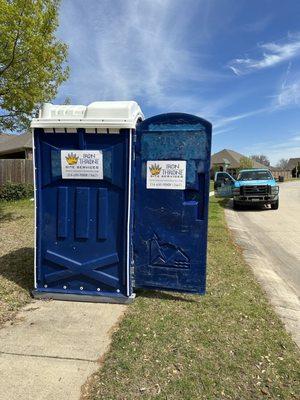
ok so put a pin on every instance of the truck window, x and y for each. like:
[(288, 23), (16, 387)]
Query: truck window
[(223, 177), (254, 176)]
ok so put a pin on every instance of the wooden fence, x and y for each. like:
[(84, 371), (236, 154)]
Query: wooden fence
[(18, 171)]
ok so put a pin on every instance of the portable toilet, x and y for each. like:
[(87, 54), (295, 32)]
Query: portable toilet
[(172, 167), (83, 180), (121, 203)]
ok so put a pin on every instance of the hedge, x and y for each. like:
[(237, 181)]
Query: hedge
[(15, 191)]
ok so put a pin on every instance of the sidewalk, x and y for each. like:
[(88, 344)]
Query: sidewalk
[(52, 347)]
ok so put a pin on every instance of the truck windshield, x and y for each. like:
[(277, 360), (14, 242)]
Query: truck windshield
[(254, 176)]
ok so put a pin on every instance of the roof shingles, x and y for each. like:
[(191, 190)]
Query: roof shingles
[(232, 157), (293, 162), (16, 143)]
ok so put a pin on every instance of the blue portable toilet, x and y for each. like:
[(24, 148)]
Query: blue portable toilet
[(171, 202), (120, 203), (83, 179)]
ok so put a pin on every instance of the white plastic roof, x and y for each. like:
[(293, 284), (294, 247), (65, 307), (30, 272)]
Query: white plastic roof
[(100, 114)]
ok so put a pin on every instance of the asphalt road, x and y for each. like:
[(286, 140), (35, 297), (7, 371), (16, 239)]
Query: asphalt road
[(271, 243)]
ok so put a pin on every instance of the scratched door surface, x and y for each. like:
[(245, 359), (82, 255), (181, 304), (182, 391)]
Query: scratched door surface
[(170, 226), (81, 223)]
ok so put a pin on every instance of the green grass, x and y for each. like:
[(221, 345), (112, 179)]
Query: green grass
[(228, 344), (211, 185), (16, 256), (291, 179)]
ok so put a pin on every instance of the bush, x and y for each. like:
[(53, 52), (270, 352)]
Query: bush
[(15, 191)]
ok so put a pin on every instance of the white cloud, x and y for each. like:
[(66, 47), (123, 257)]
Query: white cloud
[(131, 50), (271, 54), (289, 91), (228, 120), (220, 131), (289, 94)]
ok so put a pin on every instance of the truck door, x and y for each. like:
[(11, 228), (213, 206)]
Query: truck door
[(223, 184), (171, 202)]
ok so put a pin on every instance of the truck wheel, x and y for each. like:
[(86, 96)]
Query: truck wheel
[(275, 205)]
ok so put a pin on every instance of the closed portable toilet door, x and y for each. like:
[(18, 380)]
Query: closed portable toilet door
[(171, 202), (82, 212)]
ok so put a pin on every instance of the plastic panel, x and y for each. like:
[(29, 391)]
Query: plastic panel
[(170, 228)]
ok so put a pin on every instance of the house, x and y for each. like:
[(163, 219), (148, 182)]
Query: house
[(294, 166), (229, 160), (4, 137), (16, 146)]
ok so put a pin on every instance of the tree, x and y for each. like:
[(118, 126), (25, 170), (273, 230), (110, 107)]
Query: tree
[(246, 162), (282, 163), (261, 158), (32, 59)]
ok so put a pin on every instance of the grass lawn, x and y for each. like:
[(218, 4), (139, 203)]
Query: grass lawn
[(228, 344), (292, 180), (16, 256)]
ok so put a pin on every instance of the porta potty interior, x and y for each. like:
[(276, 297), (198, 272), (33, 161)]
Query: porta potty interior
[(83, 200)]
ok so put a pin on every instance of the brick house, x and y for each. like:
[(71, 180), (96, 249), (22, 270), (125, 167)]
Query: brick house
[(229, 161)]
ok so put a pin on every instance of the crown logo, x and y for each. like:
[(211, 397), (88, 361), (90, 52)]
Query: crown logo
[(72, 159), (155, 169)]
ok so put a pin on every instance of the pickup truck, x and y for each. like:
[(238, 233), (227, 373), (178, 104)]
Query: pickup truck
[(252, 186)]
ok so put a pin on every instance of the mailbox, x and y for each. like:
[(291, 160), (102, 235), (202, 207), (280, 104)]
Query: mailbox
[(121, 203)]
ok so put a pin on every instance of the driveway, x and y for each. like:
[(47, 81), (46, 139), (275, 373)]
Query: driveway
[(271, 243)]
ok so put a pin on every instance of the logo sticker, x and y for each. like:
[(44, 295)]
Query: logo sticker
[(72, 159), (155, 169), (81, 164), (162, 174)]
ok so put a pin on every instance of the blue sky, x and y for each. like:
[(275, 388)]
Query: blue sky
[(234, 63)]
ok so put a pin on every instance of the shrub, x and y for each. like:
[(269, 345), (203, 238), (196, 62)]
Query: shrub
[(15, 191)]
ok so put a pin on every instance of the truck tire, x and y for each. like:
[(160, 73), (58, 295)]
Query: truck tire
[(275, 205)]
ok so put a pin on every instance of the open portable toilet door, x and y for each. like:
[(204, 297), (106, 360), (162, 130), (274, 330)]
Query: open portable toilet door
[(171, 202), (96, 237)]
